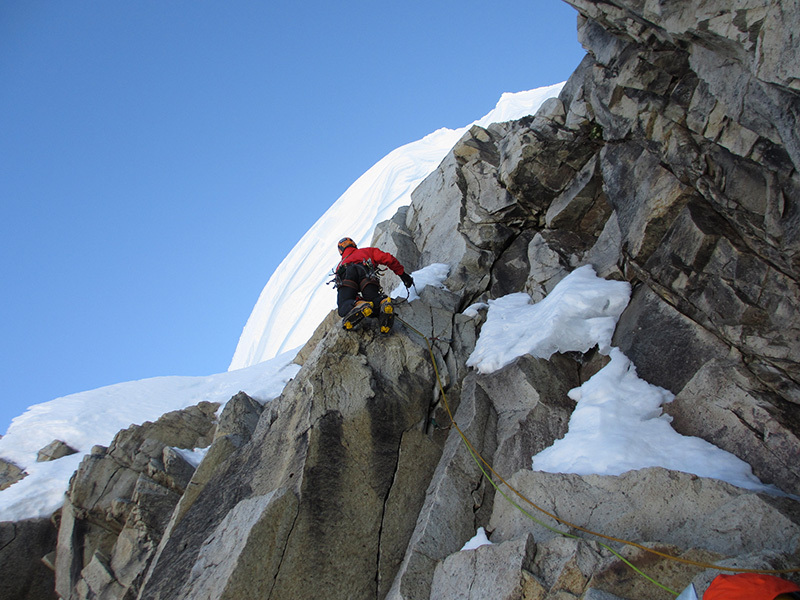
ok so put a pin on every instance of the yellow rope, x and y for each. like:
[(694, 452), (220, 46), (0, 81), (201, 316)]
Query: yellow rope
[(479, 459)]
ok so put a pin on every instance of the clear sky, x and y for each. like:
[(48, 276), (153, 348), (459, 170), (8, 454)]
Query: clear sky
[(158, 159)]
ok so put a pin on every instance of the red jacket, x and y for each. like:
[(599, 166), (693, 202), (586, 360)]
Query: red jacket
[(358, 255)]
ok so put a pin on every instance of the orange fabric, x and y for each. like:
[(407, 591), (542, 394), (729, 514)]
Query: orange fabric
[(748, 586)]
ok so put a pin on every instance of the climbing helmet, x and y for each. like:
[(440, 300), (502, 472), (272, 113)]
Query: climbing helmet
[(346, 242)]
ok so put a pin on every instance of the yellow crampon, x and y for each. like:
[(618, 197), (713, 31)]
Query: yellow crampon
[(386, 315), (362, 310)]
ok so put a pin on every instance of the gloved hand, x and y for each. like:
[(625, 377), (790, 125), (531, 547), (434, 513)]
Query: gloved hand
[(407, 280)]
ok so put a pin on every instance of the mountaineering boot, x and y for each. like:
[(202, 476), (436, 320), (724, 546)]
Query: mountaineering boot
[(386, 315), (361, 310)]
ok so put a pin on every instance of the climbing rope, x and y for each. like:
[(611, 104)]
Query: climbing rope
[(483, 465)]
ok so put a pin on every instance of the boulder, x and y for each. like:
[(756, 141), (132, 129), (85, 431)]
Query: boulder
[(532, 408), (500, 572), (656, 505), (9, 473), (55, 450)]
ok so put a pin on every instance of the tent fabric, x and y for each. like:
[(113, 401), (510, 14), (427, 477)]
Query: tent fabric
[(748, 586)]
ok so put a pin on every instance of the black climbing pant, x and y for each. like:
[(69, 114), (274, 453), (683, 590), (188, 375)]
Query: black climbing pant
[(357, 280)]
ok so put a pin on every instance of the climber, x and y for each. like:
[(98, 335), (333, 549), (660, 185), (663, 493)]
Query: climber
[(357, 280), (751, 586)]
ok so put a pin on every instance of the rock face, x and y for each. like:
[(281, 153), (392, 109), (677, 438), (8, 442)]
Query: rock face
[(22, 546), (119, 502), (324, 494), (670, 160)]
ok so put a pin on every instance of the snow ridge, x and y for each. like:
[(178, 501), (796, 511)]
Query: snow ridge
[(296, 299)]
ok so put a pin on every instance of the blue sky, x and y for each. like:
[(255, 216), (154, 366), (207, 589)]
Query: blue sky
[(158, 159)]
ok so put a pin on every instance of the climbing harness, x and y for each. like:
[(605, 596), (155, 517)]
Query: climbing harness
[(483, 465), (372, 274)]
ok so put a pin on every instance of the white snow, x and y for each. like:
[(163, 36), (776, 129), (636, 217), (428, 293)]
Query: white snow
[(93, 418), (295, 299), (473, 310), (194, 456), (580, 312), (618, 424), (432, 275), (479, 540)]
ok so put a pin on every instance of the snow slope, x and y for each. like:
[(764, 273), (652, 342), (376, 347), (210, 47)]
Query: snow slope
[(295, 299), (93, 418)]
